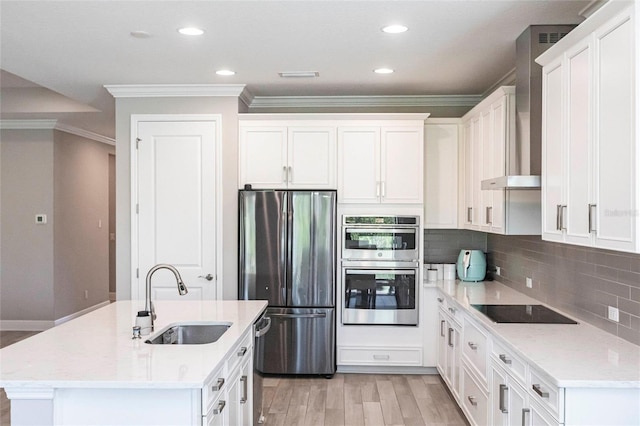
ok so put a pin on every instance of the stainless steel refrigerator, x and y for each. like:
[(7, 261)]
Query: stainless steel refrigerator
[(288, 257)]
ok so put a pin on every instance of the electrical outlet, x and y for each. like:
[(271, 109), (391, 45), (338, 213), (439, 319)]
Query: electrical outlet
[(614, 315), (529, 283), (497, 270)]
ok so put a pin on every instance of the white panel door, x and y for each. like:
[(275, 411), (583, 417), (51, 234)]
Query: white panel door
[(441, 176), (312, 158), (263, 157), (359, 164), (552, 152), (486, 158), (468, 175), (499, 134), (579, 156), (616, 174), (401, 165), (477, 214), (176, 200)]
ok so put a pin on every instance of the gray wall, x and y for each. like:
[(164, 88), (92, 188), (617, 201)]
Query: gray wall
[(26, 176), (227, 107), (81, 202), (46, 268), (444, 245), (581, 281)]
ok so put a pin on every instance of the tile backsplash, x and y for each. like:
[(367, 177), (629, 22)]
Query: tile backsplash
[(581, 281)]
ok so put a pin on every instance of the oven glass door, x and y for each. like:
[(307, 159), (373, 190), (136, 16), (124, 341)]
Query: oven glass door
[(380, 296), (380, 243)]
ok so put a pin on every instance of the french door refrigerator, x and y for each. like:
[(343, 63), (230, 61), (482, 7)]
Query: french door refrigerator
[(287, 256)]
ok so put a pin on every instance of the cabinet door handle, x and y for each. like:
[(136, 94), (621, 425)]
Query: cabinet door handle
[(449, 337), (243, 398), (487, 212), (441, 328), (504, 359), (219, 384), (452, 310), (242, 351), (381, 357), (219, 408), (558, 216), (591, 221), (472, 400), (525, 411), (290, 173), (536, 388), (473, 346), (469, 210), (284, 174), (502, 405), (378, 189), (383, 184), (440, 299), (563, 210)]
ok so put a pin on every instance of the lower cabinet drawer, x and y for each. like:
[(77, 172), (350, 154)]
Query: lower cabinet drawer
[(475, 348), (216, 415), (546, 394), (213, 389), (379, 356), (474, 401)]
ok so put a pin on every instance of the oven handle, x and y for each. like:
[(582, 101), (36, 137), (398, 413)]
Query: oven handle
[(378, 265), (350, 271), (394, 229)]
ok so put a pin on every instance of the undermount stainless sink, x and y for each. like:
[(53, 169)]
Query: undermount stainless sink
[(190, 334)]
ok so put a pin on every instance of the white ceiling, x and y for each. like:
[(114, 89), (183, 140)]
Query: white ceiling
[(74, 48)]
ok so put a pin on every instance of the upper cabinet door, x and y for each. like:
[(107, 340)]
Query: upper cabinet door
[(263, 157), (312, 158), (616, 166), (359, 165), (401, 165), (441, 175)]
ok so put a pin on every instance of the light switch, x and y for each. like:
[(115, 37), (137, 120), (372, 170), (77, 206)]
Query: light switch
[(41, 219)]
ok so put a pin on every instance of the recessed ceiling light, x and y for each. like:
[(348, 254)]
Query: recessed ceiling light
[(192, 31), (383, 71), (225, 72), (140, 34), (394, 29)]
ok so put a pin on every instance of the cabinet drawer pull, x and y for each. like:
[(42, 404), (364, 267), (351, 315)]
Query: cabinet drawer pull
[(504, 359), (525, 411), (452, 310), (472, 400), (536, 388), (503, 405), (441, 328), (219, 408), (381, 357), (449, 337), (219, 384), (440, 299), (473, 346), (242, 351), (245, 390)]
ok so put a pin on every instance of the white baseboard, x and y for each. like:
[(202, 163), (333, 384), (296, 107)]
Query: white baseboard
[(381, 369), (25, 325), (80, 313)]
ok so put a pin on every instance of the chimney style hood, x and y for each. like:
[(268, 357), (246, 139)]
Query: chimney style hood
[(524, 154)]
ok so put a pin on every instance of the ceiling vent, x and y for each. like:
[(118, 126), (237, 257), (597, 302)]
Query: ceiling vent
[(299, 74)]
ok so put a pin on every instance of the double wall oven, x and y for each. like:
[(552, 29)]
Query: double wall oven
[(380, 265)]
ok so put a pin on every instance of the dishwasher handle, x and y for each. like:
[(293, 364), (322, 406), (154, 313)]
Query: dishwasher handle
[(313, 315), (262, 331)]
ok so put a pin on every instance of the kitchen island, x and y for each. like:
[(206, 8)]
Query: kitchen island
[(90, 370)]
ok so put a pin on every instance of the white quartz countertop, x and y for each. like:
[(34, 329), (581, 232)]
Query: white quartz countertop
[(570, 355), (96, 349)]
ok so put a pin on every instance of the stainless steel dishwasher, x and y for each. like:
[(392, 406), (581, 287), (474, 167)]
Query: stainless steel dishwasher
[(261, 328)]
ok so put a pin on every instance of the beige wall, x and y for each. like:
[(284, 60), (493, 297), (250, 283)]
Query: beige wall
[(26, 186), (227, 107), (47, 268), (81, 232)]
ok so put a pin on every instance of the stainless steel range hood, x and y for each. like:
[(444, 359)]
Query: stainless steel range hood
[(525, 152)]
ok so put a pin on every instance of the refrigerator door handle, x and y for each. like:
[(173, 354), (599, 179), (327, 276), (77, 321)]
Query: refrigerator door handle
[(314, 315)]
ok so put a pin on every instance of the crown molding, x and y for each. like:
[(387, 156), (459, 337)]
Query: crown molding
[(54, 125), (591, 8), (509, 79), (84, 134), (173, 90), (28, 124), (364, 101)]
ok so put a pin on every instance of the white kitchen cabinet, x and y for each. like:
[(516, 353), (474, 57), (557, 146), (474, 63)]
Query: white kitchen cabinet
[(381, 164), (441, 173), (487, 128), (287, 154), (590, 139), (449, 349), (509, 400)]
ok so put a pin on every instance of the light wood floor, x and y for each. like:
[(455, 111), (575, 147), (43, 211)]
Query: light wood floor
[(359, 399), (346, 399), (8, 338)]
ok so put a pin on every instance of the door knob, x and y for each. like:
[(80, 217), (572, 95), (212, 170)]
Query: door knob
[(208, 277)]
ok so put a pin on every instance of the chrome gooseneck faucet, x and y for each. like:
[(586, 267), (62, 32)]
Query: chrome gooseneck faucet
[(148, 305)]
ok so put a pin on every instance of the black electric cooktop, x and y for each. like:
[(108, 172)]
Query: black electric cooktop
[(523, 314)]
